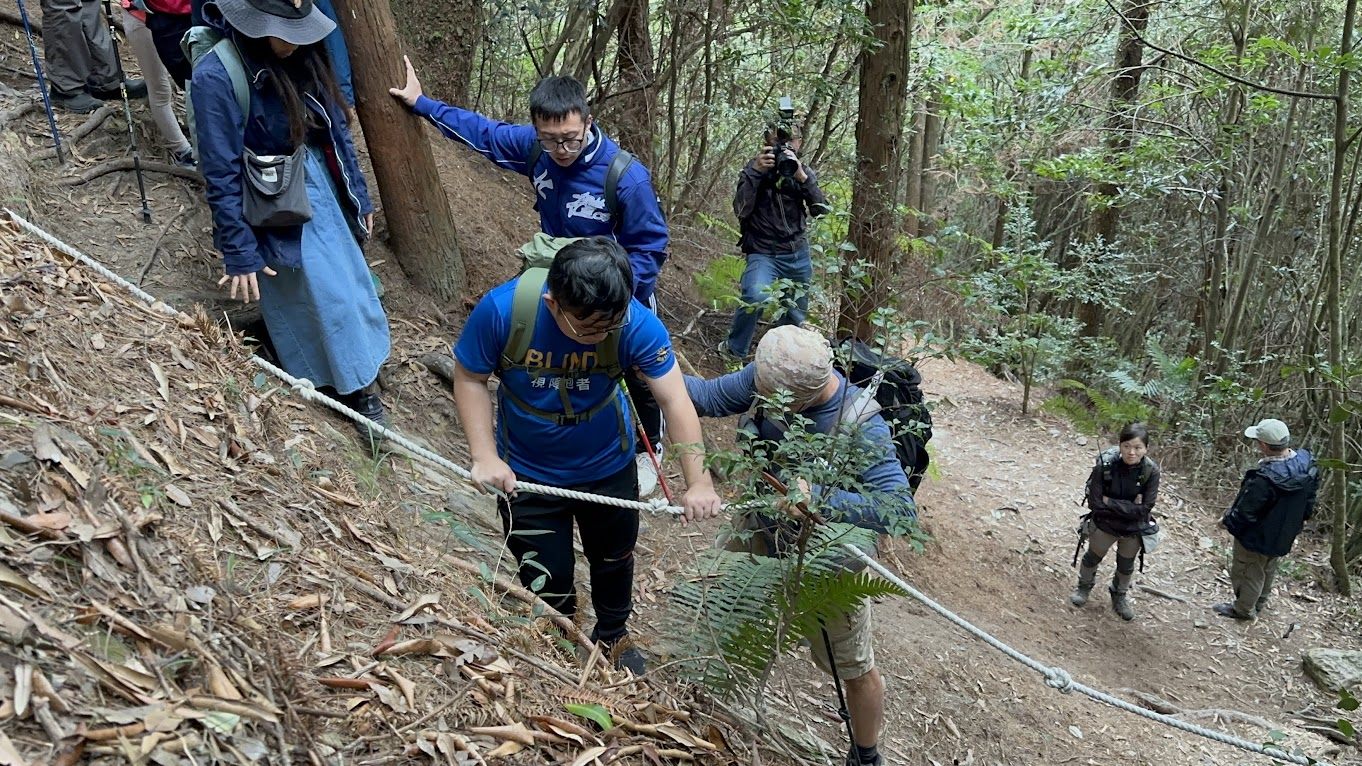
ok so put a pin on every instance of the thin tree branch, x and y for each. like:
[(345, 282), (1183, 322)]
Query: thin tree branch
[(1217, 70)]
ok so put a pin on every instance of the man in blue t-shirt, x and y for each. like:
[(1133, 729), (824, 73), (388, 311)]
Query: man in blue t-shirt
[(568, 157), (586, 299)]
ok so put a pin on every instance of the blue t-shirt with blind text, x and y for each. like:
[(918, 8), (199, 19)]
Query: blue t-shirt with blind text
[(538, 449)]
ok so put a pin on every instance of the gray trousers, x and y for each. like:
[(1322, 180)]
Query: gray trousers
[(1099, 542), (1251, 576), (77, 48)]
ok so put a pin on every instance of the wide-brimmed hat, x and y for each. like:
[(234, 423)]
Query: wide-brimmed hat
[(294, 21)]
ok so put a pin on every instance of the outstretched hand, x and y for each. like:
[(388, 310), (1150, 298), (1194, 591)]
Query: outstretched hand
[(408, 93), (245, 285)]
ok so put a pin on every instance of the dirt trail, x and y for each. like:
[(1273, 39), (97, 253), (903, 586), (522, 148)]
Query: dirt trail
[(1002, 513)]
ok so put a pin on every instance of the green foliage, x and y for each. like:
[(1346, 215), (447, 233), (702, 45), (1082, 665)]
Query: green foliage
[(717, 283)]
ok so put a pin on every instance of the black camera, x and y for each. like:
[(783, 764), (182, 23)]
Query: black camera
[(787, 167)]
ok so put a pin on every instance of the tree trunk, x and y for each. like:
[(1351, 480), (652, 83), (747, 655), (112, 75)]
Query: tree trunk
[(421, 228), (1338, 384), (442, 37), (1121, 125), (635, 108), (917, 155), (883, 91)]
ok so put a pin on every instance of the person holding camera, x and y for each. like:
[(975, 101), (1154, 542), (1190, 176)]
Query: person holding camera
[(777, 194)]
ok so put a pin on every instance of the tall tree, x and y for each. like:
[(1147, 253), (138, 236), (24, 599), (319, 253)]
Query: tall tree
[(1333, 304), (1121, 127), (420, 224), (636, 91), (442, 38), (873, 228)]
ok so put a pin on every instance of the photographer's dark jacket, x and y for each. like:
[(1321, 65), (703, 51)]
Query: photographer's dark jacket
[(883, 477), (773, 211), (223, 131), (1275, 499), (1121, 514)]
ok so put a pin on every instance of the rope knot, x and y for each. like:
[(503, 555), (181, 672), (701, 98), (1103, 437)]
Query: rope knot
[(658, 505), (304, 384), (1058, 678)]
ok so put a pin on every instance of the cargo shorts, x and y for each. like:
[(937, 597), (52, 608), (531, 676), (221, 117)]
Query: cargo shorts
[(852, 638)]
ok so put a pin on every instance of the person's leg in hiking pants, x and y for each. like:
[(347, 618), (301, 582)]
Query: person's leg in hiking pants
[(609, 535), (540, 527), (1251, 576), (76, 47)]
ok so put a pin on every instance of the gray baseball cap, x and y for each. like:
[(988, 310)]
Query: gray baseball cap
[(1271, 432)]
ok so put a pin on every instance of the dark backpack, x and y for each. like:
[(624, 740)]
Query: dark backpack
[(1106, 460), (618, 164), (899, 394)]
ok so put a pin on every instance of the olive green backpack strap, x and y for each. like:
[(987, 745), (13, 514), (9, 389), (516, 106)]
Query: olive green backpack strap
[(525, 301)]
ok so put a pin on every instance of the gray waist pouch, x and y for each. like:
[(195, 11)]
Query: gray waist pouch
[(274, 192)]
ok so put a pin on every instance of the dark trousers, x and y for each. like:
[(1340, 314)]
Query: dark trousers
[(166, 32), (77, 48), (539, 534)]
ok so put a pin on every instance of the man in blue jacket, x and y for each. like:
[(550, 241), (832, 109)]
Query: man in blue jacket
[(1276, 498), (568, 159), (799, 361)]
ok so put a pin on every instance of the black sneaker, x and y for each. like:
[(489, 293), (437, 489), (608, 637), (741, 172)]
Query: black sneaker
[(366, 402), (854, 760), (185, 159), (631, 659), (1228, 610), (136, 89), (79, 103)]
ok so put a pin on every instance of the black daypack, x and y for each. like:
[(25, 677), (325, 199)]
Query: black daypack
[(899, 394), (1107, 459)]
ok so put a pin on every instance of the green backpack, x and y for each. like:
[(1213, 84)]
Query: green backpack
[(199, 42), (536, 257)]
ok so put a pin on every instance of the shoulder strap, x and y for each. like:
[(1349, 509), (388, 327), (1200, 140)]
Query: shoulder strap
[(236, 72), (1146, 471), (620, 163), (524, 311), (532, 161)]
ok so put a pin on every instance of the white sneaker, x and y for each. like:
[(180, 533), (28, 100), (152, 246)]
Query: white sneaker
[(647, 473)]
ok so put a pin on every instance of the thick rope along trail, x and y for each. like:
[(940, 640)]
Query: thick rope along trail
[(1055, 677)]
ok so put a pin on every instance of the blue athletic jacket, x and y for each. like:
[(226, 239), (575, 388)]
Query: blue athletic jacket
[(571, 200), (223, 131)]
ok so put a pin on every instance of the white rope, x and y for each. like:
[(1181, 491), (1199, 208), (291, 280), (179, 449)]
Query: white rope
[(1055, 677), (1059, 678), (304, 389)]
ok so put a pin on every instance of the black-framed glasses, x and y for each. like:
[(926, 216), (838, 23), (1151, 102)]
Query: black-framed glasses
[(567, 318), (566, 144)]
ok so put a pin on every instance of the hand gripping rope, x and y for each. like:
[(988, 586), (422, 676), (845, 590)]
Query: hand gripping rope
[(1055, 677)]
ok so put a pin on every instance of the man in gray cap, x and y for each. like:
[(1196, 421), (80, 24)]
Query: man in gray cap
[(1275, 499), (796, 363)]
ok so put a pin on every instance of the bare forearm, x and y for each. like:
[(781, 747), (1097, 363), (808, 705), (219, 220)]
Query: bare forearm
[(685, 433), (474, 403)]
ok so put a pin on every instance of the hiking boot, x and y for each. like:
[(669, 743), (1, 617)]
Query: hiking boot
[(631, 659), (647, 473), (853, 759), (366, 402), (1120, 604), (1080, 595), (79, 103), (136, 89), (1227, 610), (1260, 605), (185, 159)]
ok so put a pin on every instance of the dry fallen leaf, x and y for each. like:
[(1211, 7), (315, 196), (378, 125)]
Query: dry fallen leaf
[(310, 601), (19, 582), (8, 755), (425, 600), (588, 756), (162, 383), (23, 688), (178, 496)]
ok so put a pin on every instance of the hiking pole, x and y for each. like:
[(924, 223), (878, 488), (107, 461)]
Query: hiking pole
[(648, 446), (127, 114), (42, 84), (843, 711)]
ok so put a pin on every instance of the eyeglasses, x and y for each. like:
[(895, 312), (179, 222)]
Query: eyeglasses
[(567, 144), (624, 320)]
